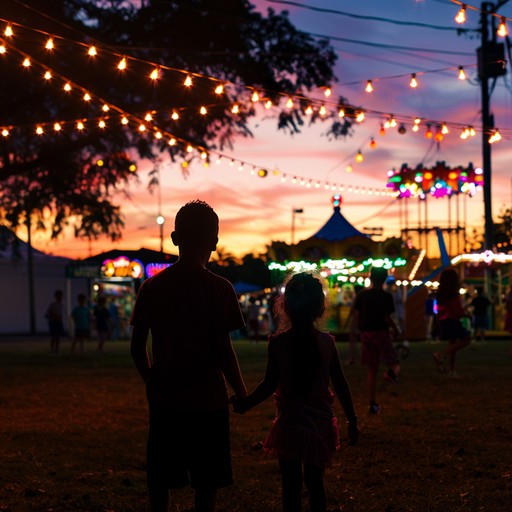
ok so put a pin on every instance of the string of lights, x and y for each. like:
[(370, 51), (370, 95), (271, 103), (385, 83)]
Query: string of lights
[(124, 61), (145, 125), (316, 106)]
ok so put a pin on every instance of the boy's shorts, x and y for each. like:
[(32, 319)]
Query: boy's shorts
[(376, 348), (189, 448)]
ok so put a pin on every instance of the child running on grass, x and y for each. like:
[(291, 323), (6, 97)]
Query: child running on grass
[(373, 308), (301, 361), (449, 314), (190, 312)]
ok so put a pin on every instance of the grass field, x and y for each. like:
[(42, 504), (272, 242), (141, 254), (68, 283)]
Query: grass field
[(72, 436)]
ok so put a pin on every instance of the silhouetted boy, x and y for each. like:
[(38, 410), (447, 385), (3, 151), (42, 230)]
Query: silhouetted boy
[(190, 312), (373, 308)]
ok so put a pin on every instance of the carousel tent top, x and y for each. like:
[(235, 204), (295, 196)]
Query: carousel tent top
[(337, 228)]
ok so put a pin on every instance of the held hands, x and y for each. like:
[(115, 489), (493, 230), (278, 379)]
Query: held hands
[(239, 404)]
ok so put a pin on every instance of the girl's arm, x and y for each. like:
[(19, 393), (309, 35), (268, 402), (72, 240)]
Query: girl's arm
[(264, 389), (341, 387)]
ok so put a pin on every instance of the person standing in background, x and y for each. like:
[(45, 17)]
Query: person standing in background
[(81, 322), (54, 315)]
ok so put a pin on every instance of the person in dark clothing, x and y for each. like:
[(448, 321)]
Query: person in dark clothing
[(373, 308), (480, 305)]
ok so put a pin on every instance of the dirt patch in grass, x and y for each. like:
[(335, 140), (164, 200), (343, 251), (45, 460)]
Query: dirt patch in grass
[(72, 436)]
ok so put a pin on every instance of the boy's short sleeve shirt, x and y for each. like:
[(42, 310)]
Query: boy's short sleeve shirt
[(373, 306), (188, 316)]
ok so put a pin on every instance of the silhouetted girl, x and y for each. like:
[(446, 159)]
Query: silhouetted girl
[(450, 311), (301, 362)]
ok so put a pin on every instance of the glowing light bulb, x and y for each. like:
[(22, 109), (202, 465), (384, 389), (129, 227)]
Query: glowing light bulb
[(327, 92), (105, 108), (102, 124), (255, 97), (26, 62), (464, 134), (439, 136), (158, 135), (360, 117), (148, 117), (67, 87), (142, 127), (415, 127), (428, 133), (204, 155), (47, 76), (235, 109), (80, 126), (444, 129), (92, 52), (5, 132), (39, 130), (373, 144), (413, 83), (87, 97), (268, 104), (155, 74), (392, 122), (219, 89), (502, 27), (462, 75), (289, 103), (495, 137), (190, 149), (471, 131), (124, 120), (172, 141), (49, 44), (369, 86), (322, 110), (341, 113), (175, 116), (359, 157), (203, 111), (461, 15), (309, 110), (3, 49), (122, 64), (8, 31), (382, 130), (57, 127), (188, 81)]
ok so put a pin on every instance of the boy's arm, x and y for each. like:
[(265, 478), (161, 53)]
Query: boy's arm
[(229, 366), (139, 350), (392, 325)]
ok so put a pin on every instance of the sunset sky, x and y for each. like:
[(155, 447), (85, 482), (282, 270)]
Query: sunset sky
[(254, 211)]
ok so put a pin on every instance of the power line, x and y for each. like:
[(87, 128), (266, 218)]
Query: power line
[(366, 17)]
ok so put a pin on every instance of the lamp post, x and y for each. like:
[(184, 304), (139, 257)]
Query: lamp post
[(294, 212), (161, 221)]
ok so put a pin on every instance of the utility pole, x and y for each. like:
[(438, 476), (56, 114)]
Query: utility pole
[(294, 212), (491, 64)]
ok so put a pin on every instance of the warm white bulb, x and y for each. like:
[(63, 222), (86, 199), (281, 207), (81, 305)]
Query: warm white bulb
[(203, 111), (47, 76), (502, 28), (461, 15), (49, 44), (219, 89), (188, 81), (122, 64), (8, 31), (462, 75), (26, 62), (67, 87), (235, 109), (154, 75), (413, 83), (369, 86), (124, 120), (92, 51)]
